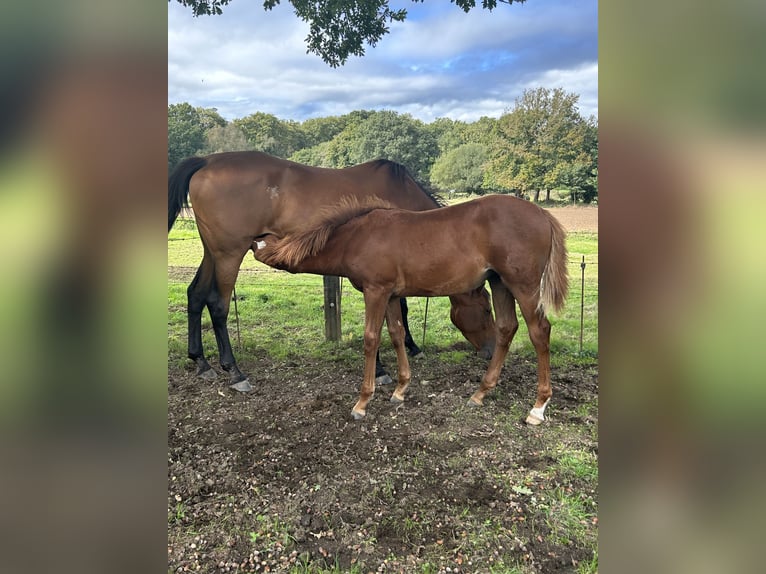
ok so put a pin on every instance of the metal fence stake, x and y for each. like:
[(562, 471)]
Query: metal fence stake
[(582, 298), (236, 314)]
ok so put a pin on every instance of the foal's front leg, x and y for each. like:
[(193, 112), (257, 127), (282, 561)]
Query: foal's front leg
[(374, 311), (397, 333)]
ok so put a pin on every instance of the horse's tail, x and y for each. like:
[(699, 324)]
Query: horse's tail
[(178, 186), (554, 282)]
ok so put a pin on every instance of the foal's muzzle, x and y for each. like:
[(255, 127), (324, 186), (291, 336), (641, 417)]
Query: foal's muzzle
[(486, 351)]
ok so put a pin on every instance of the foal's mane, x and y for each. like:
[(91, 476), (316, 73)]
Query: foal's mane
[(294, 248)]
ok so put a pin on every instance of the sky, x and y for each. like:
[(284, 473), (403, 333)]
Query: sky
[(439, 62)]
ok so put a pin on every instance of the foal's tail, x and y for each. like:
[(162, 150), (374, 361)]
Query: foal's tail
[(554, 282), (178, 186)]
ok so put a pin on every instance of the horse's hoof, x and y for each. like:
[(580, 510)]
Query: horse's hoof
[(208, 374), (534, 421), (242, 386), (537, 414), (473, 403), (419, 355), (396, 400), (383, 380), (357, 416)]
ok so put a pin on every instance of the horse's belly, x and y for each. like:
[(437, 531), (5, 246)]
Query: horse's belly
[(444, 278)]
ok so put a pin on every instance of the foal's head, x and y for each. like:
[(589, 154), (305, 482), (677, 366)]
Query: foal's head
[(472, 313)]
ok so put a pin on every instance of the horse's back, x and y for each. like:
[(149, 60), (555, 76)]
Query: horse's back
[(226, 173), (256, 193), (517, 222), (502, 232)]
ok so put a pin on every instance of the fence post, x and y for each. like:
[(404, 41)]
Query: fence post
[(331, 308), (582, 298)]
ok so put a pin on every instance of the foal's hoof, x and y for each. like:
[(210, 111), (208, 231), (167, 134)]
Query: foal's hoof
[(383, 380), (357, 416), (208, 374), (242, 386), (396, 400), (537, 414), (534, 421), (474, 403)]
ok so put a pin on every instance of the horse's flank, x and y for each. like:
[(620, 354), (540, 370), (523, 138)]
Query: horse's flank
[(290, 251)]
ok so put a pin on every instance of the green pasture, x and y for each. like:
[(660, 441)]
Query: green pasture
[(281, 314)]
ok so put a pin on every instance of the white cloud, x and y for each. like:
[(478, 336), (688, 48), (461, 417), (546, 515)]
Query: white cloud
[(440, 62)]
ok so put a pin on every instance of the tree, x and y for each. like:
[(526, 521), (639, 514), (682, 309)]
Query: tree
[(341, 28), (461, 169), (186, 136), (481, 131), (267, 133), (447, 132), (210, 118), (319, 130), (386, 135), (226, 138), (536, 140), (588, 183), (580, 175), (316, 155)]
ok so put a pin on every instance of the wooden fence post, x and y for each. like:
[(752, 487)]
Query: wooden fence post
[(332, 308)]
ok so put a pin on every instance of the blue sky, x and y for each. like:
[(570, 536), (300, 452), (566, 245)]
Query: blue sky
[(440, 62)]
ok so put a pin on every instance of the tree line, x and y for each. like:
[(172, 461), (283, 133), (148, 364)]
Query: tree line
[(540, 145)]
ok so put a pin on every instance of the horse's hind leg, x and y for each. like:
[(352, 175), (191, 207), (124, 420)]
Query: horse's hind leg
[(409, 342), (506, 325), (226, 270), (397, 334), (381, 375), (540, 334), (197, 295)]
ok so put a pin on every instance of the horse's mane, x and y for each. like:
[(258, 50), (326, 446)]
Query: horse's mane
[(294, 248), (401, 173)]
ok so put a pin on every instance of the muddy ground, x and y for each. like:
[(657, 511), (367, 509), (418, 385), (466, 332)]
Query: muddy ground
[(283, 480)]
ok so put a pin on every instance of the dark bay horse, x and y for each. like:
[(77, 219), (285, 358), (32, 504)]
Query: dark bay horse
[(240, 196), (515, 245)]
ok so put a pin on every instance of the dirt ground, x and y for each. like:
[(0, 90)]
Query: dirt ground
[(283, 480), (579, 218)]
